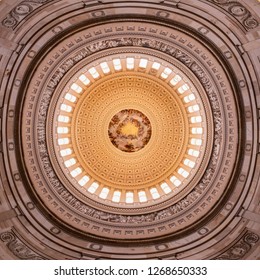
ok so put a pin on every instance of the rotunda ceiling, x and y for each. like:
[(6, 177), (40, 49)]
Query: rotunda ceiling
[(133, 121), (91, 177)]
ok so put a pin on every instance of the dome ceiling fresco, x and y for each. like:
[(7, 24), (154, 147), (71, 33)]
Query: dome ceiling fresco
[(129, 130)]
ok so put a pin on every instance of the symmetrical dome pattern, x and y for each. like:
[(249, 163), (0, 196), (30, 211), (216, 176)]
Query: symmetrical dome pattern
[(129, 129), (171, 106)]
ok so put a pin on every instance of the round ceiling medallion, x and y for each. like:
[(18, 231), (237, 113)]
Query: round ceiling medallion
[(129, 130)]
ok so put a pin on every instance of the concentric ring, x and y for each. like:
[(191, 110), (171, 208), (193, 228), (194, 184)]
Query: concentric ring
[(175, 149)]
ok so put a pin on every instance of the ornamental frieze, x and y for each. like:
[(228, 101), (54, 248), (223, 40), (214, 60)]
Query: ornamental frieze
[(241, 248), (18, 248), (21, 11), (239, 12)]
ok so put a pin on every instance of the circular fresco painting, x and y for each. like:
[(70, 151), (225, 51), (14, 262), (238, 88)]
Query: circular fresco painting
[(129, 130)]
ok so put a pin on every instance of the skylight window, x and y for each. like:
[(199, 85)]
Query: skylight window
[(84, 79), (83, 181), (175, 181), (142, 196), (143, 63), (196, 119), (195, 141), (63, 141), (183, 88), (70, 97), (117, 64), (189, 98), (105, 67), (154, 193), (93, 72), (193, 152), (116, 196), (165, 74), (129, 197), (156, 65), (183, 172), (66, 108), (165, 187), (193, 108), (93, 187), (130, 63), (76, 88), (104, 193), (64, 119), (74, 173), (196, 130), (62, 130), (70, 162), (189, 163), (174, 81), (66, 152)]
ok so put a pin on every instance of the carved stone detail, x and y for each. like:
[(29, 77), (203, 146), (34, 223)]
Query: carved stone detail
[(22, 10), (241, 248), (18, 248), (115, 218), (239, 12)]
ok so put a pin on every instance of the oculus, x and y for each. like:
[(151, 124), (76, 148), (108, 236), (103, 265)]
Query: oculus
[(129, 130)]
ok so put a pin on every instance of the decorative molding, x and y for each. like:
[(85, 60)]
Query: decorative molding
[(241, 248), (18, 248), (85, 213), (239, 12), (236, 9), (18, 13)]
